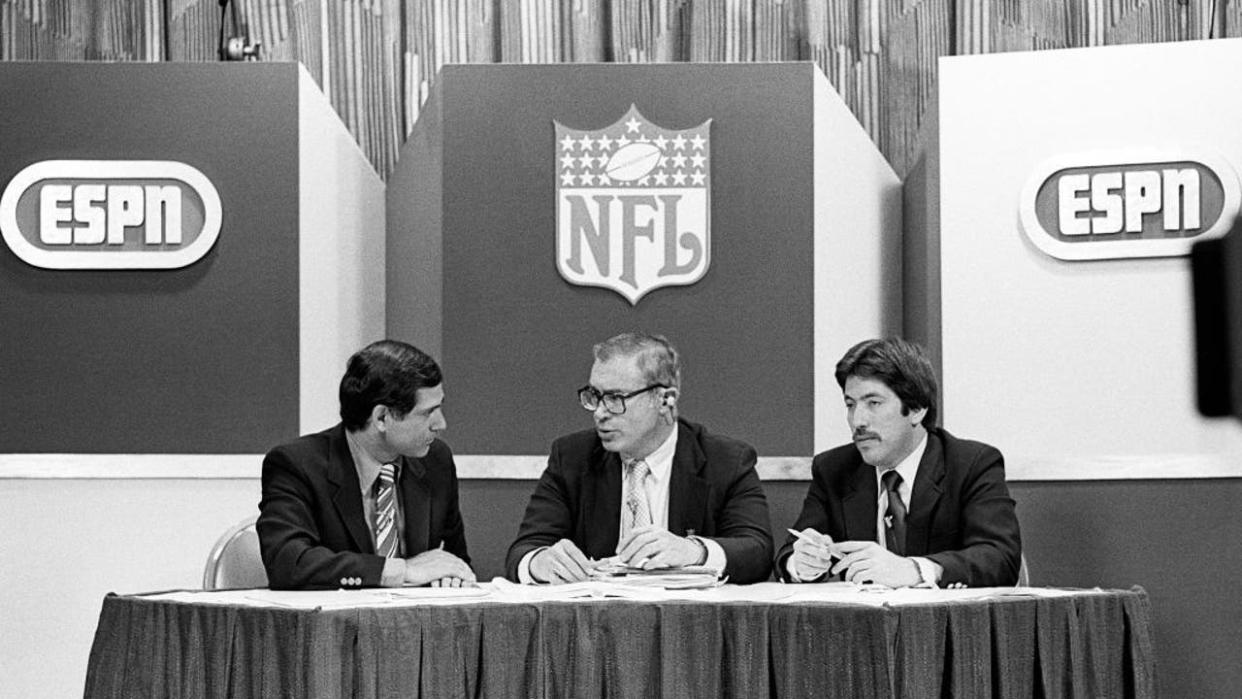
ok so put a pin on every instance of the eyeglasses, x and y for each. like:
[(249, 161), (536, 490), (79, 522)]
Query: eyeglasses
[(613, 402)]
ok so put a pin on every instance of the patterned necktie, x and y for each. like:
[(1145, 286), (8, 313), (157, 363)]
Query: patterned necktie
[(895, 516), (637, 512), (386, 512)]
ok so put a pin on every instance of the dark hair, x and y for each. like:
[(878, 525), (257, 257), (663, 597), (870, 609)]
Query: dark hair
[(899, 364), (388, 373), (657, 358)]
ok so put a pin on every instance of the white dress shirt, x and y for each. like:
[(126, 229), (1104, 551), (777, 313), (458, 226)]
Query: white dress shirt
[(660, 463), (908, 469), (368, 469)]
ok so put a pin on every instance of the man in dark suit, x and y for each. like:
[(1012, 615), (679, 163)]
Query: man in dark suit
[(652, 489), (907, 503), (372, 501)]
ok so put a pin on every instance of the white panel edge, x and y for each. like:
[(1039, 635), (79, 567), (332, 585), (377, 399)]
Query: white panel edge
[(853, 185), (502, 467), (341, 241), (234, 466), (1135, 467), (823, 382), (509, 467), (122, 466)]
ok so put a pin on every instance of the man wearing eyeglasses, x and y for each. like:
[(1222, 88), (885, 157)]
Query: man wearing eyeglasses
[(644, 485)]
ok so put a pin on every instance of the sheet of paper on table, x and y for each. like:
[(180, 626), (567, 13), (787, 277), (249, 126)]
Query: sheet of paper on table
[(501, 590), (328, 599), (587, 590)]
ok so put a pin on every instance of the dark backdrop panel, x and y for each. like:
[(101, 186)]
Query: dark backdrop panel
[(517, 337), (195, 360), (1177, 539)]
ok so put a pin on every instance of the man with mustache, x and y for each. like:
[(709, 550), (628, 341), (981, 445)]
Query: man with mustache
[(372, 501), (644, 485), (907, 503)]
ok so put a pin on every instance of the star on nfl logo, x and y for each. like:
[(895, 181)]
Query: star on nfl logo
[(632, 205)]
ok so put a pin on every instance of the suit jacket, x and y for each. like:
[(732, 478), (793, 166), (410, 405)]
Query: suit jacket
[(312, 530), (960, 515), (714, 492)]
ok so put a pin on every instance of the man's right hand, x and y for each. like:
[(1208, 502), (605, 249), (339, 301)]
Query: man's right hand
[(811, 557), (561, 562), (436, 564)]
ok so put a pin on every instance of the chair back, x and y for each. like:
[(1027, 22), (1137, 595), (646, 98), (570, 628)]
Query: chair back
[(234, 561)]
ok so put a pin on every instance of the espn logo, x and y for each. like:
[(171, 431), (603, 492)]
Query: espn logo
[(1108, 205), (110, 214)]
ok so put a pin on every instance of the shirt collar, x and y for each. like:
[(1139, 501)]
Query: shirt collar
[(909, 466), (660, 461), (367, 466)]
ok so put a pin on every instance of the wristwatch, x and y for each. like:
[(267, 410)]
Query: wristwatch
[(702, 549)]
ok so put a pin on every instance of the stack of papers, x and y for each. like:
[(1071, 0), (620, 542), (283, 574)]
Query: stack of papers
[(680, 578)]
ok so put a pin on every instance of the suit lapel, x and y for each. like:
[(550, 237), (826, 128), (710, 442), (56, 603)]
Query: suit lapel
[(860, 504), (601, 505), (416, 506), (687, 491), (928, 486), (347, 493)]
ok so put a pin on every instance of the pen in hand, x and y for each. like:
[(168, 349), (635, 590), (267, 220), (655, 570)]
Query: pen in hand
[(816, 540)]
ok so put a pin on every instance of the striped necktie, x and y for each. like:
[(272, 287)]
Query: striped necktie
[(386, 512), (895, 515), (637, 511)]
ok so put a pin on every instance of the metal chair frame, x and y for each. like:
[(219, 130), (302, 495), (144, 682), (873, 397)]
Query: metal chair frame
[(242, 535)]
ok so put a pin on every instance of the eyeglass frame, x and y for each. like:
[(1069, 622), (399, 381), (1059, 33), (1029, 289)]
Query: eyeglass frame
[(600, 397)]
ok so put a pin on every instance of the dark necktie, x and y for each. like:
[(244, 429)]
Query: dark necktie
[(386, 512), (895, 515)]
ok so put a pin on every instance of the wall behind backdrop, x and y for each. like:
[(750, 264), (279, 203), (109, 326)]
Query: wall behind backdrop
[(377, 59)]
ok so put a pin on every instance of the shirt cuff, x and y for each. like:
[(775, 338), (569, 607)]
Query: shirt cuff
[(393, 574), (524, 575), (716, 559), (929, 571), (792, 570)]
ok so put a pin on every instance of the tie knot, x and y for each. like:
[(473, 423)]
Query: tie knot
[(388, 473), (891, 480), (638, 468)]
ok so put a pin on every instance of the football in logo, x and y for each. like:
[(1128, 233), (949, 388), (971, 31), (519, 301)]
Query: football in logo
[(632, 205), (633, 161)]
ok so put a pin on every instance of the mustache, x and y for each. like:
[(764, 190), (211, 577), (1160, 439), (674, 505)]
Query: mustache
[(863, 434)]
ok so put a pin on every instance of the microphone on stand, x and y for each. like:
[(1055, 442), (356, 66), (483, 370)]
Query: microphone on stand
[(237, 47)]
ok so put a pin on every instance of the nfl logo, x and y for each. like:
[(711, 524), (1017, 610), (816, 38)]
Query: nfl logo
[(632, 205)]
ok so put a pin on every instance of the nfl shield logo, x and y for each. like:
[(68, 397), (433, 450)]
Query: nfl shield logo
[(632, 204)]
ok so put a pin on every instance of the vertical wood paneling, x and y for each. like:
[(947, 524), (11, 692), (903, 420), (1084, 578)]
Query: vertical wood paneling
[(377, 59)]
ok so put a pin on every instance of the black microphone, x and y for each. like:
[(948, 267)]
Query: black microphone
[(238, 46)]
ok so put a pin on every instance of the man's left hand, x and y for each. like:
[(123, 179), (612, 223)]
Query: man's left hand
[(868, 562), (654, 547)]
